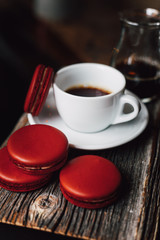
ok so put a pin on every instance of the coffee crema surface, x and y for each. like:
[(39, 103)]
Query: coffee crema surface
[(88, 91)]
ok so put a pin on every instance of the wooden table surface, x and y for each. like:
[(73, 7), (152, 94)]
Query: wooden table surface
[(136, 214)]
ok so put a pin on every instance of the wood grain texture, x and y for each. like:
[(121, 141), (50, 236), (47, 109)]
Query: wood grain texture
[(134, 216)]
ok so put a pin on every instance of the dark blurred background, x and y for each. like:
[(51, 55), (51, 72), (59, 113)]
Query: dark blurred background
[(55, 33)]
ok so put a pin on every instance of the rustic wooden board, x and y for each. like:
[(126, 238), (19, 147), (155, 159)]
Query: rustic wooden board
[(134, 216)]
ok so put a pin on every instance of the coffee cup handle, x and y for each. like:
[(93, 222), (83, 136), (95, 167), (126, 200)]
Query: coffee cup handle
[(125, 117)]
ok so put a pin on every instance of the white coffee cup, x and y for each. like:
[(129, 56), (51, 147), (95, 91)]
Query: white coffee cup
[(92, 114)]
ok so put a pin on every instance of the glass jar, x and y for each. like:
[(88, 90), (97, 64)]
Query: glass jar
[(137, 54)]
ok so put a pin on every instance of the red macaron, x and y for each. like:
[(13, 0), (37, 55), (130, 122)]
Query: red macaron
[(38, 149), (13, 179), (38, 89), (90, 181)]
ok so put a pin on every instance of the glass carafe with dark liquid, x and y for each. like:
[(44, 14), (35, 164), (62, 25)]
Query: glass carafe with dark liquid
[(137, 54)]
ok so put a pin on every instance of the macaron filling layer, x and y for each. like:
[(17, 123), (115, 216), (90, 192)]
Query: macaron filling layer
[(42, 169), (109, 198), (24, 188)]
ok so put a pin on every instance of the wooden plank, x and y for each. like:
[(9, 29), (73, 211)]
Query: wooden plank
[(134, 216)]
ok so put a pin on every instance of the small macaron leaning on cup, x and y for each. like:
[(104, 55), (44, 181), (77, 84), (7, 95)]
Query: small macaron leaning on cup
[(38, 89)]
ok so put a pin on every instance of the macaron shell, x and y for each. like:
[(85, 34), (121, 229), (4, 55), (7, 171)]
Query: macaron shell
[(90, 178), (11, 178), (38, 146)]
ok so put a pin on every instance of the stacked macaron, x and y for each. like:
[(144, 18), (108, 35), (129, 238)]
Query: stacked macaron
[(32, 154)]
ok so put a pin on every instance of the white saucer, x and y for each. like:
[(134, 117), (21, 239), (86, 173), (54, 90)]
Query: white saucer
[(113, 136)]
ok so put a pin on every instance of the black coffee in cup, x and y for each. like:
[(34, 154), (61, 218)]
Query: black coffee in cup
[(87, 91)]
